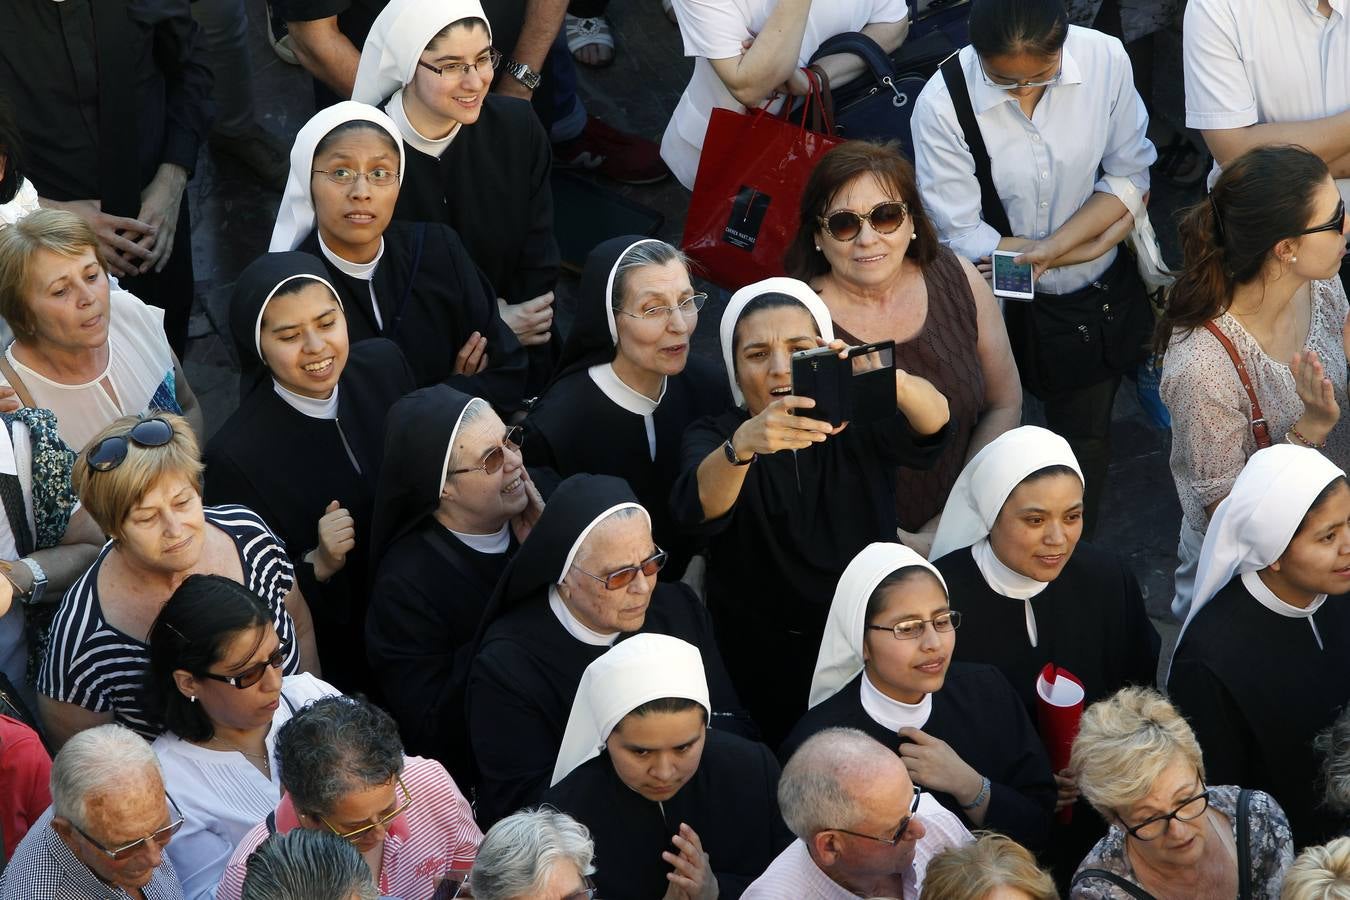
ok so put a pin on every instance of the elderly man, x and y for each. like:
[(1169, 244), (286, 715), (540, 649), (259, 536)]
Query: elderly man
[(105, 833), (862, 828)]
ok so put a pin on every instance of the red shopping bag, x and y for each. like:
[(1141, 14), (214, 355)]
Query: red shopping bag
[(1059, 707), (750, 177)]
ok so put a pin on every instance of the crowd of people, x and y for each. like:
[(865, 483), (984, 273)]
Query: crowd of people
[(458, 602)]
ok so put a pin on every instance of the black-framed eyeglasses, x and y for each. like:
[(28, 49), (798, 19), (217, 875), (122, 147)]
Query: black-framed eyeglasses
[(384, 820), (484, 64), (845, 224), (253, 674), (111, 452), (1337, 223), (688, 307), (899, 832), (377, 177), (622, 578), (1156, 827), (492, 461), (161, 837), (911, 629)]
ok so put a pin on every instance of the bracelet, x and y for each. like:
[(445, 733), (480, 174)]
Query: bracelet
[(982, 796), (1304, 441)]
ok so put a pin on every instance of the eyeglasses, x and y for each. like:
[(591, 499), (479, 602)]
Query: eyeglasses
[(353, 836), (126, 851), (899, 832), (379, 177), (1019, 85), (482, 65), (622, 578), (911, 629), (1154, 828), (845, 225), (1337, 223), (111, 452), (253, 674), (493, 460), (688, 307)]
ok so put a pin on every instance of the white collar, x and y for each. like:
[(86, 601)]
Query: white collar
[(431, 147), (494, 544), (1266, 597), (363, 271), (623, 396), (1003, 580), (984, 98), (574, 626), (892, 713), (315, 409)]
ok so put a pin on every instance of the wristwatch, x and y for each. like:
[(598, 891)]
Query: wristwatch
[(730, 450), (522, 73), (34, 595)]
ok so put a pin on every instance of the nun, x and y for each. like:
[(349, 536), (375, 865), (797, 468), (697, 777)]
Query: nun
[(452, 504), (584, 580), (476, 161), (413, 283), (303, 448), (885, 668), (667, 800), (1263, 661), (627, 387), (784, 501)]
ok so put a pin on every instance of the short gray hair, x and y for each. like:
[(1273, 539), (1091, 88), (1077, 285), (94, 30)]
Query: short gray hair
[(519, 852), (307, 865), (639, 256), (94, 760), (334, 746), (1334, 745), (815, 791)]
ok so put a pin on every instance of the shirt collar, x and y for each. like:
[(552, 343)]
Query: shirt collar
[(362, 271), (984, 98), (574, 626), (431, 147), (308, 406), (495, 543), (623, 396), (1001, 578), (892, 713), (1266, 597)]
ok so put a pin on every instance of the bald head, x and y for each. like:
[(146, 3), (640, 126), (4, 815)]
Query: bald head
[(826, 782)]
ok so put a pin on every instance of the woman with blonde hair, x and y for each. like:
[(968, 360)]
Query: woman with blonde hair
[(994, 866), (1320, 873)]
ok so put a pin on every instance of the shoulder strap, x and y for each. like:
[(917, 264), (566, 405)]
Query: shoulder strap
[(1128, 887), (11, 497), (990, 204), (419, 238), (271, 822), (14, 380), (1259, 429), (1244, 843)]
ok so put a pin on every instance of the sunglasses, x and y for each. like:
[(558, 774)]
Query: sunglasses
[(1337, 223), (622, 578), (492, 460), (845, 225), (111, 452), (126, 851), (384, 820), (899, 832), (253, 674)]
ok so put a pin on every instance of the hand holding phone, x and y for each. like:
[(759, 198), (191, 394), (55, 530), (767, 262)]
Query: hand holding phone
[(1011, 279)]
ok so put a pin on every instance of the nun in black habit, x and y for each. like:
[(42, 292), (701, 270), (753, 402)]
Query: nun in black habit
[(413, 283), (1263, 662), (553, 613), (453, 503), (481, 168), (885, 668), (640, 768), (627, 386), (784, 501), (303, 449)]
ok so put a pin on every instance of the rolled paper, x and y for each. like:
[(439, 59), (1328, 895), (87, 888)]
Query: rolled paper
[(1059, 707)]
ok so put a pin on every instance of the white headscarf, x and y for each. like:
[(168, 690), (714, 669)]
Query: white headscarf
[(643, 668), (987, 480), (295, 218), (454, 435), (841, 647), (790, 286), (397, 38), (586, 532)]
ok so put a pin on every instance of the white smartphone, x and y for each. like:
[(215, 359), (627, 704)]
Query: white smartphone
[(1012, 280)]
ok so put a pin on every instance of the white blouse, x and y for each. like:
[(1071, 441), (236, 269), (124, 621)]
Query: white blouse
[(25, 200)]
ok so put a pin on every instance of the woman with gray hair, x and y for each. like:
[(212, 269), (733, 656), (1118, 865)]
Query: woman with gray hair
[(1334, 746), (1138, 763), (308, 865), (539, 854)]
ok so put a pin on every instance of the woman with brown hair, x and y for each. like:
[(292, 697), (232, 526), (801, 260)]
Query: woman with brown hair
[(868, 247)]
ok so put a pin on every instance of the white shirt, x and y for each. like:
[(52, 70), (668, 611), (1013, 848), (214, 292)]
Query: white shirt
[(221, 794), (361, 271), (1266, 597), (494, 543), (1003, 580), (629, 400), (308, 406), (574, 626), (25, 200), (891, 713), (1089, 125), (1251, 62), (714, 29)]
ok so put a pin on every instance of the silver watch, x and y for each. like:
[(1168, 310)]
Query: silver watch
[(34, 596), (522, 73)]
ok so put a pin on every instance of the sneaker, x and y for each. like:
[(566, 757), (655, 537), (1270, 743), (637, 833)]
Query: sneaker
[(279, 36), (259, 151), (626, 158)]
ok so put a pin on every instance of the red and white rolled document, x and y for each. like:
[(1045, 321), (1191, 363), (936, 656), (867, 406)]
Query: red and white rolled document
[(1059, 707)]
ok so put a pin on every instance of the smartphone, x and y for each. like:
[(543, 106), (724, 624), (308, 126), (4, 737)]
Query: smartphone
[(860, 387), (821, 375), (1012, 280)]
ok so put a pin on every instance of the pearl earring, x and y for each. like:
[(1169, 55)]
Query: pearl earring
[(913, 235), (817, 248), (1293, 259), (192, 698)]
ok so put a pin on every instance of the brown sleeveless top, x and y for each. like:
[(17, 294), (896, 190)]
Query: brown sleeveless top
[(944, 351)]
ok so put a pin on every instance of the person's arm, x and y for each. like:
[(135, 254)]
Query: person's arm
[(187, 401), (61, 721), (65, 562), (543, 20), (1328, 137), (842, 68), (1098, 225), (179, 51), (770, 60), (326, 53), (303, 620)]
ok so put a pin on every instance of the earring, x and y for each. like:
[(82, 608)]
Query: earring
[(913, 235), (817, 248), (1293, 259), (192, 698)]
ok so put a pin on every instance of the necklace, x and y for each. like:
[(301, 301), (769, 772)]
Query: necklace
[(260, 757)]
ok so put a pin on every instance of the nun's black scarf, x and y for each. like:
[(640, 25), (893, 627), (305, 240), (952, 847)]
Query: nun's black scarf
[(589, 342), (255, 285), (417, 438)]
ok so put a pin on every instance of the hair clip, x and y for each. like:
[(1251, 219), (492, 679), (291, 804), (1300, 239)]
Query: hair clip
[(1218, 220), (180, 634)]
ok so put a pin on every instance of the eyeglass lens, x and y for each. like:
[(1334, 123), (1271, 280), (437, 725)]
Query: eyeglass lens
[(383, 820), (885, 218), (496, 457), (252, 676), (111, 452), (347, 177), (621, 578), (688, 307), (912, 628), (1155, 827)]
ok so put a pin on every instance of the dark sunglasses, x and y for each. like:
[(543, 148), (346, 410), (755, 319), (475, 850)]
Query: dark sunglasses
[(253, 674), (899, 832), (845, 225), (1336, 224), (126, 851), (111, 452), (492, 460), (622, 578)]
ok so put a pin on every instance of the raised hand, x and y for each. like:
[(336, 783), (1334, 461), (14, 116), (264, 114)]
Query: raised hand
[(1320, 410), (692, 875), (934, 764), (530, 320), (472, 357), (337, 538)]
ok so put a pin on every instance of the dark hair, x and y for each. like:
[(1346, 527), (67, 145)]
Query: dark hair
[(294, 286), (1263, 197), (1003, 27), (666, 705), (1049, 472), (333, 746), (1322, 497), (12, 149), (191, 632), (835, 171), (466, 22), (764, 303), (352, 127), (900, 576)]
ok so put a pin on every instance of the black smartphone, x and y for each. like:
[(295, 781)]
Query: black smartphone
[(872, 382), (821, 375), (860, 388)]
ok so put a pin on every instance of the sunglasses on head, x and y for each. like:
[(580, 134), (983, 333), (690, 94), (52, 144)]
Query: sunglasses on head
[(492, 461), (845, 224), (111, 452)]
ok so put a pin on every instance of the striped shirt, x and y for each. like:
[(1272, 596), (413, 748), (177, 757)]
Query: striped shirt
[(92, 664), (436, 835)]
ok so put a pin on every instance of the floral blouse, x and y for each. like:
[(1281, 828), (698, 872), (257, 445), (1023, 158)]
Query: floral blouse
[(1272, 849)]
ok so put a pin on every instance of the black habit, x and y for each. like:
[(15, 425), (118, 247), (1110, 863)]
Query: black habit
[(731, 802), (1257, 689)]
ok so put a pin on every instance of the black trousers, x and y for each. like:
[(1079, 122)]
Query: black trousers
[(1083, 418), (172, 290)]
